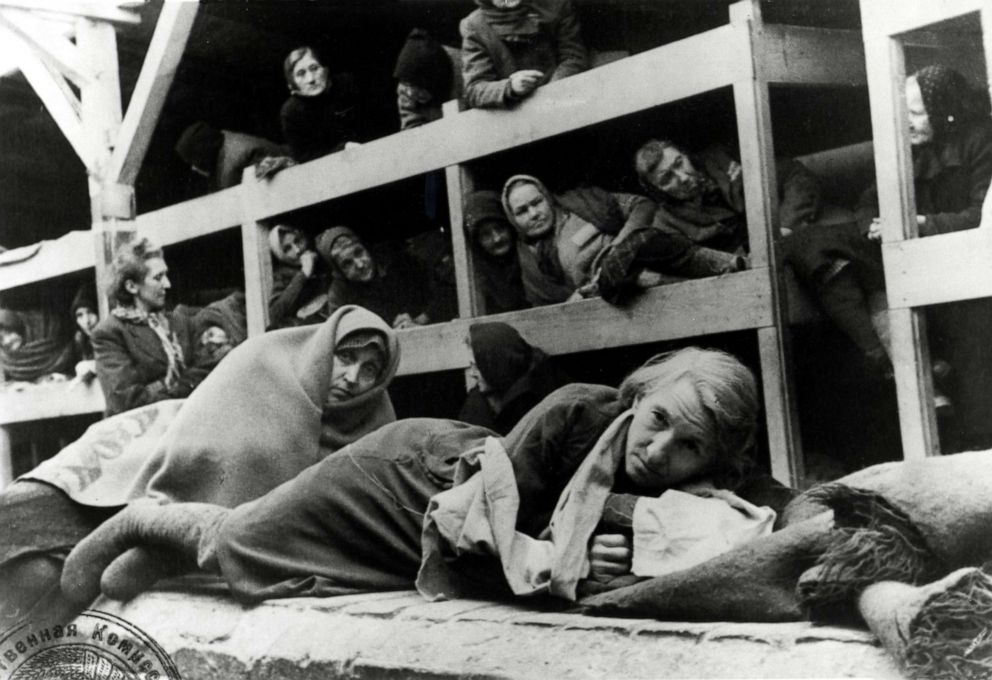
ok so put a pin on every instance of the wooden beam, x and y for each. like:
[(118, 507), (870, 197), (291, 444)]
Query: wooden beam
[(633, 84), (258, 267), (50, 401), (98, 11), (70, 253), (56, 50), (191, 219), (680, 310), (157, 73), (801, 55), (881, 18), (917, 272)]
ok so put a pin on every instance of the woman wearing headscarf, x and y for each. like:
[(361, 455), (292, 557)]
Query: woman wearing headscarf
[(279, 402), (951, 140), (494, 239), (511, 377), (33, 345), (299, 279), (511, 47), (320, 115)]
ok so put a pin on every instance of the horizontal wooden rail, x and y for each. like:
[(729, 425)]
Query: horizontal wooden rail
[(70, 253), (937, 269), (883, 17), (809, 56), (190, 219), (56, 400)]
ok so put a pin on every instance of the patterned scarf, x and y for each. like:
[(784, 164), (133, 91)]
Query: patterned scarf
[(159, 323)]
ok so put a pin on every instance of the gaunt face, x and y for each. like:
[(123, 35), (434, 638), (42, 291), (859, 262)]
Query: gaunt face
[(10, 340), (496, 238), (309, 76), (149, 294), (664, 447), (86, 320), (355, 262), (354, 371), (675, 175), (215, 341), (292, 244), (920, 130), (413, 93), (534, 216)]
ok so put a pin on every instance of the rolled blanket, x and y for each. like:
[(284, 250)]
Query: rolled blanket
[(941, 631)]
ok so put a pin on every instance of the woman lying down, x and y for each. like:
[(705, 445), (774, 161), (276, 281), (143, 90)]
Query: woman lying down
[(568, 502)]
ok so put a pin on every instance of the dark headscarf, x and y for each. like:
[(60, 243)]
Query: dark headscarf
[(947, 97), (423, 62), (85, 297), (228, 314), (199, 145), (501, 355)]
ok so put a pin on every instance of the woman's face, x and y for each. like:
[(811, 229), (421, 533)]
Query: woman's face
[(354, 261), (920, 130), (292, 244), (675, 175), (86, 320), (309, 76), (149, 294), (354, 371), (663, 447), (495, 238), (215, 342), (531, 211)]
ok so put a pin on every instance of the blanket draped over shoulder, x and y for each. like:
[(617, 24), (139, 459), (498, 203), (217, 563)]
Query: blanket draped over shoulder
[(255, 422)]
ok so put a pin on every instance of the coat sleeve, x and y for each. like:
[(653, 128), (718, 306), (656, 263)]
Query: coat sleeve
[(572, 55), (285, 294), (978, 160), (798, 194), (119, 374), (638, 211), (484, 87)]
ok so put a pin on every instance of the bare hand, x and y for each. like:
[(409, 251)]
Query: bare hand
[(522, 83), (270, 165), (875, 230), (404, 320), (609, 556), (308, 260)]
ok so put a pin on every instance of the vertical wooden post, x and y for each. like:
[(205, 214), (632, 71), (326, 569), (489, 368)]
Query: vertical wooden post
[(761, 196), (459, 185), (885, 65), (6, 457), (256, 257)]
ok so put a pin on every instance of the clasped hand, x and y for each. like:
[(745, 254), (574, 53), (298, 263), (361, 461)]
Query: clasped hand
[(610, 556)]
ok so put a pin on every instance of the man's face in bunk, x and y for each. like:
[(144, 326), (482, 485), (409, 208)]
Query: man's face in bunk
[(10, 340), (354, 371), (292, 244), (214, 342), (309, 76), (149, 293), (354, 260), (920, 130), (674, 175), (531, 211), (496, 238), (86, 320), (506, 4), (664, 444)]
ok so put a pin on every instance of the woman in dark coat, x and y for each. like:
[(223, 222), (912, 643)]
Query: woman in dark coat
[(511, 377), (355, 521), (319, 117), (494, 240)]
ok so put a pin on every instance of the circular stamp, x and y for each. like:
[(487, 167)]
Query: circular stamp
[(93, 646)]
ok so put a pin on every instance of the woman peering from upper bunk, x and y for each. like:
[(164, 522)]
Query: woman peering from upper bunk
[(428, 74), (951, 140), (407, 505), (512, 47), (299, 279), (494, 241), (276, 404), (143, 353), (320, 116), (587, 241)]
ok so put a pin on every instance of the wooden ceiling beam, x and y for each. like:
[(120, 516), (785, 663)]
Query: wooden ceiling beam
[(54, 49), (97, 11)]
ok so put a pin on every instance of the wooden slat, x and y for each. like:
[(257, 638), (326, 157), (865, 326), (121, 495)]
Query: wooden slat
[(65, 255), (157, 72), (914, 384), (691, 308), (883, 18), (809, 56), (258, 275), (57, 50), (50, 401), (917, 271), (101, 11), (639, 82), (459, 185), (199, 217)]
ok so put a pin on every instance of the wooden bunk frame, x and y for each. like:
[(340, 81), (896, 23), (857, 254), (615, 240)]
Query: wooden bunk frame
[(916, 272), (744, 54)]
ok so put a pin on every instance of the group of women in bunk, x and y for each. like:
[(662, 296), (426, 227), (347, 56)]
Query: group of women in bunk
[(285, 471)]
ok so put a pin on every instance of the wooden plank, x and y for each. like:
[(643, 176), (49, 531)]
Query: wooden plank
[(39, 402), (914, 384), (754, 128), (70, 253), (809, 56), (6, 458), (101, 11), (881, 18), (157, 72), (199, 217), (55, 49), (258, 275), (585, 99), (681, 310), (917, 271), (459, 185)]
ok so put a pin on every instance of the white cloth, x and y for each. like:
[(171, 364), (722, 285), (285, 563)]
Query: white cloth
[(679, 530)]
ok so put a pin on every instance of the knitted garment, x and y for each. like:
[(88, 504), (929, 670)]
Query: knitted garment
[(945, 97), (423, 62), (501, 355), (198, 145)]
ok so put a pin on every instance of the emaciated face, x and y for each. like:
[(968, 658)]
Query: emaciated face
[(495, 237), (665, 447), (10, 340), (354, 371), (309, 76), (355, 262), (215, 341), (534, 216), (149, 294), (920, 130), (675, 175), (292, 244), (86, 320)]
